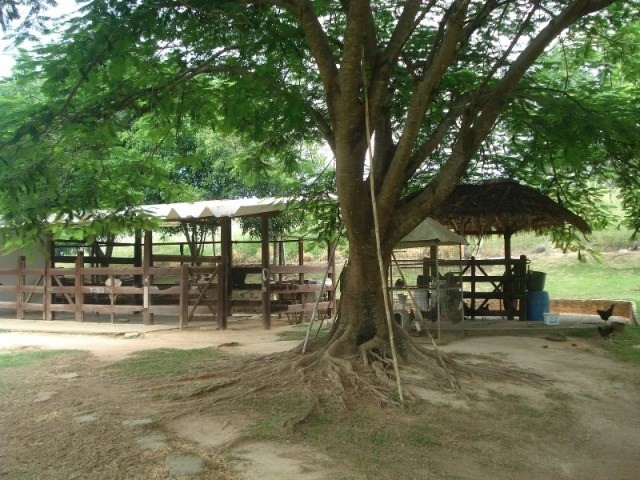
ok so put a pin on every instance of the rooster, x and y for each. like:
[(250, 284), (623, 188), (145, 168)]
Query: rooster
[(605, 314)]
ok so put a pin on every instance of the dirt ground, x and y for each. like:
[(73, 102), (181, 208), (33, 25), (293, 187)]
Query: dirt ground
[(70, 416)]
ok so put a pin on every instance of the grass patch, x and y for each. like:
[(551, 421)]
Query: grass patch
[(614, 277), (625, 344), (298, 332), (26, 359), (4, 330), (281, 412), (292, 335), (167, 361)]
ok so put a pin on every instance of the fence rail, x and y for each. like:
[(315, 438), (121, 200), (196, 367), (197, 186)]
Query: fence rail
[(185, 292)]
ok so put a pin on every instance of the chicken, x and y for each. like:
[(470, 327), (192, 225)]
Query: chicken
[(605, 314), (605, 331), (113, 282)]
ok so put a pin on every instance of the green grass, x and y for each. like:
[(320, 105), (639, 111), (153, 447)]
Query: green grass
[(614, 277), (26, 359), (166, 361), (625, 345), (279, 411), (298, 332)]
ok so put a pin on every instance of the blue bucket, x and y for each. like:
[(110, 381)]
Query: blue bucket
[(537, 305)]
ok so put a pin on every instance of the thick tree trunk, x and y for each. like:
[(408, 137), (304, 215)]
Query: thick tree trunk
[(362, 314)]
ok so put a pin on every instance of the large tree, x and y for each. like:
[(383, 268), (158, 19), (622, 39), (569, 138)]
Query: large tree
[(404, 93)]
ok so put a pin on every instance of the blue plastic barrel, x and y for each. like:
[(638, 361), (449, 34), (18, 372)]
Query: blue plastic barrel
[(537, 305)]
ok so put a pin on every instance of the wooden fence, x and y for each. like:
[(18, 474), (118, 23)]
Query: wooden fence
[(184, 292)]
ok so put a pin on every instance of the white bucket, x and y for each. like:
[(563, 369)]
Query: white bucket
[(551, 318), (422, 300)]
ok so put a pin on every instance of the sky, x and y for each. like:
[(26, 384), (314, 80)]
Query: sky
[(8, 51)]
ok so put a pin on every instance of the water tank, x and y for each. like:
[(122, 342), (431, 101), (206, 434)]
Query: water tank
[(537, 305)]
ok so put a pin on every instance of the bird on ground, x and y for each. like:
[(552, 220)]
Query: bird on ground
[(605, 314), (605, 331)]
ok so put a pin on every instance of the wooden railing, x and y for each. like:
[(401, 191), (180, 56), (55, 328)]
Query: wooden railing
[(508, 288), (184, 292), (292, 291), (488, 287)]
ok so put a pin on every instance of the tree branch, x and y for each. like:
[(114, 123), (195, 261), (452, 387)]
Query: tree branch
[(442, 59), (478, 122)]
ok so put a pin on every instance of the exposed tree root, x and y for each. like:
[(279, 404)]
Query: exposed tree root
[(492, 368), (341, 379), (331, 378), (213, 388)]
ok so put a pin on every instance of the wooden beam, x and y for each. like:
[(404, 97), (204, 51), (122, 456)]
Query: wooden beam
[(147, 263), (47, 313), (184, 296), (266, 283), (224, 290), (19, 288), (137, 254), (79, 283)]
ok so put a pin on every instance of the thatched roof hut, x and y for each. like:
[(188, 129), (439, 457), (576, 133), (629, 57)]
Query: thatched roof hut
[(504, 207)]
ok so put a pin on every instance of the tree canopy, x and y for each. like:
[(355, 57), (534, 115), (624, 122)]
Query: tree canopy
[(440, 81)]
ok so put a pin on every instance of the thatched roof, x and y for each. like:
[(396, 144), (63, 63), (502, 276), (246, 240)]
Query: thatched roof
[(503, 207)]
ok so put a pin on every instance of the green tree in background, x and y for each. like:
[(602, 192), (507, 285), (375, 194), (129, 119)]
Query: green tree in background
[(410, 96)]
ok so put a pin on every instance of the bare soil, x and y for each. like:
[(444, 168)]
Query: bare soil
[(548, 410)]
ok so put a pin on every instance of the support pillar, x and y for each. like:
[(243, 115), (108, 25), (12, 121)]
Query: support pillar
[(224, 267), (19, 287), (147, 263), (137, 256), (266, 283), (79, 284)]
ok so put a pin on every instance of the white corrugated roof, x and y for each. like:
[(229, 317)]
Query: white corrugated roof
[(216, 208)]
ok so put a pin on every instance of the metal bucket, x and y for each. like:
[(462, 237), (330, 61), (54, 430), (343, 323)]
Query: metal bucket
[(536, 281)]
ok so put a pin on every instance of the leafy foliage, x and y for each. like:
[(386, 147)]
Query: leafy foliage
[(137, 87)]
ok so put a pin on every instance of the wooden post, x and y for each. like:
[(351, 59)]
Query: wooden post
[(301, 258), (47, 314), (184, 296), (473, 287), (224, 289), (147, 262), (281, 257), (433, 255), (79, 283), (507, 282), (522, 287), (47, 296), (266, 283), (137, 256), (301, 296), (19, 289)]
